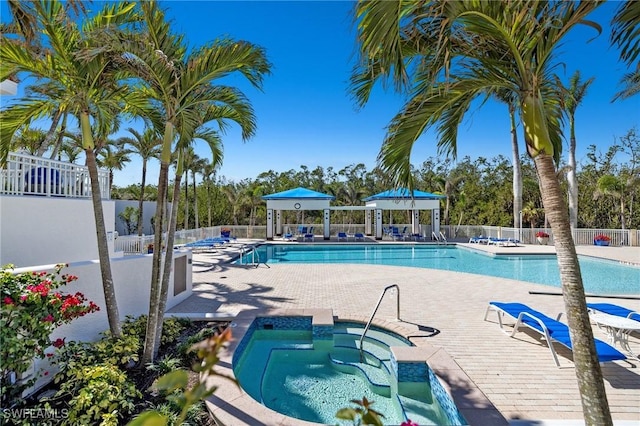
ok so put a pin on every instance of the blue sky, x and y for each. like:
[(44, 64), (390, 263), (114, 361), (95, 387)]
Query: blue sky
[(306, 116)]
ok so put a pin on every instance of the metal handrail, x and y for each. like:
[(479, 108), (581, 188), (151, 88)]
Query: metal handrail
[(435, 237), (376, 310), (443, 238)]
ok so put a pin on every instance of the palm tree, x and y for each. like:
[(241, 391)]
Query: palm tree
[(177, 81), (570, 98), (87, 85), (209, 178), (189, 158), (112, 156), (510, 100), (445, 55), (147, 146)]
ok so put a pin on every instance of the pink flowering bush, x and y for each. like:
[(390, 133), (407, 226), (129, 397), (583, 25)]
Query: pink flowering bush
[(31, 309)]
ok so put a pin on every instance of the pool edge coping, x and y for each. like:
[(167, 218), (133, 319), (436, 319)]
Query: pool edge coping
[(233, 406)]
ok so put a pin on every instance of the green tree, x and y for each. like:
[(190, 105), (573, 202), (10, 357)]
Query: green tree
[(178, 81), (445, 55), (570, 98), (87, 82), (147, 146)]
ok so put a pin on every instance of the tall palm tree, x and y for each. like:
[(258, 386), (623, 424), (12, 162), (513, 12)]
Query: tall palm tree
[(147, 146), (510, 100), (445, 55), (87, 82), (570, 98), (188, 159), (178, 82), (196, 168), (209, 178)]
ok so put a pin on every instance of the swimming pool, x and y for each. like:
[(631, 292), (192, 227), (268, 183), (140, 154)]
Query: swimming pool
[(599, 276), (310, 371)]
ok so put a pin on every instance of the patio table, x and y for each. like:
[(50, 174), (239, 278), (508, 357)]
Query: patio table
[(617, 329)]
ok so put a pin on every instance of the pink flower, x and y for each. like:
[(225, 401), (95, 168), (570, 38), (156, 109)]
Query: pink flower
[(58, 343), (23, 297), (409, 423), (8, 301), (48, 318)]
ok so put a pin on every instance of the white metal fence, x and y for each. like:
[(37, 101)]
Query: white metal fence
[(132, 244), (25, 174)]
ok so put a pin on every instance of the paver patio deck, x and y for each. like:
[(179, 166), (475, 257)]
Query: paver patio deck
[(517, 375)]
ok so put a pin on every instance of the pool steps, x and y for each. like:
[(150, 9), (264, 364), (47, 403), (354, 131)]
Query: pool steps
[(341, 340)]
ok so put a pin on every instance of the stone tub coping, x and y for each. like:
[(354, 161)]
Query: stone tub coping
[(234, 407)]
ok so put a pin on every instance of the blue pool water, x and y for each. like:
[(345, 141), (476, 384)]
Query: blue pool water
[(311, 377), (599, 276)]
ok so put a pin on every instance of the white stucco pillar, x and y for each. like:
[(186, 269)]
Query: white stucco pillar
[(269, 224), (415, 222), (279, 222), (327, 224), (367, 222), (435, 221), (378, 224)]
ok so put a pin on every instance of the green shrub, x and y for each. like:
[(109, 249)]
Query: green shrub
[(165, 365), (171, 328), (31, 309), (99, 394)]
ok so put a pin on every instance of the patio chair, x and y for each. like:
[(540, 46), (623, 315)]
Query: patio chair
[(611, 309), (552, 330), (309, 236), (503, 242), (358, 236), (479, 240), (342, 236)]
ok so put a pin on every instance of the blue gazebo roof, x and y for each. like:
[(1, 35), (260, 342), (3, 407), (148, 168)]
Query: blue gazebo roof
[(404, 193), (298, 193)]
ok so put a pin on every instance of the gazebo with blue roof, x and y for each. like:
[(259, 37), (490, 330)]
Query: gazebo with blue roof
[(403, 199), (297, 199)]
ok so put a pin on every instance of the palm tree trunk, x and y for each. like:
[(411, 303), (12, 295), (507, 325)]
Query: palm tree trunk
[(111, 303), (50, 134), (589, 375), (141, 199), (195, 202), (58, 143), (572, 180), (168, 260), (186, 201), (149, 353), (517, 171)]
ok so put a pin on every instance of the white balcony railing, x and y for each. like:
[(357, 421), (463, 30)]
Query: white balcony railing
[(29, 175)]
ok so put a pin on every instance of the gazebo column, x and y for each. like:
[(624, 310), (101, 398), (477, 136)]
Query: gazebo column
[(327, 224), (367, 222), (415, 221), (279, 222), (378, 224), (269, 224), (435, 220)]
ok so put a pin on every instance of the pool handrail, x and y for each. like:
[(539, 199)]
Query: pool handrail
[(373, 314)]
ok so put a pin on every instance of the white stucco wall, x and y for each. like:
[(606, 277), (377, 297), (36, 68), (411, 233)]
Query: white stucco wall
[(131, 278), (49, 230), (148, 211)]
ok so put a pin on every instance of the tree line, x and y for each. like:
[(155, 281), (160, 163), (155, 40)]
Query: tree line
[(477, 191)]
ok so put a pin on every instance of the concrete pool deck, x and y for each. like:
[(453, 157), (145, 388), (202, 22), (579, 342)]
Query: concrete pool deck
[(517, 375)]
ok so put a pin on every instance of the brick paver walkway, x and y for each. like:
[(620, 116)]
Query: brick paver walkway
[(517, 375)]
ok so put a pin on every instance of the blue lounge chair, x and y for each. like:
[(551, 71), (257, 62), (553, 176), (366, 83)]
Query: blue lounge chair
[(358, 236), (552, 330), (611, 309), (342, 236)]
